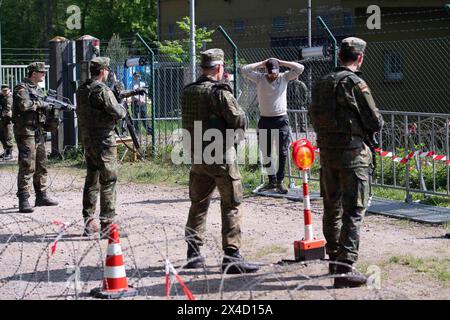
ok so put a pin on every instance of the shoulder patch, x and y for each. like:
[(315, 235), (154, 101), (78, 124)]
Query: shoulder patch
[(363, 86)]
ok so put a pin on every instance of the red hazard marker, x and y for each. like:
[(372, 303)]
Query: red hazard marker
[(62, 230), (115, 283), (170, 268), (309, 248)]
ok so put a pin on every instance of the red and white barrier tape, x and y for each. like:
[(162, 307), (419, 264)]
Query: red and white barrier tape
[(170, 268), (405, 159), (62, 230)]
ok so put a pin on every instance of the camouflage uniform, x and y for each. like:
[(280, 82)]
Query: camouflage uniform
[(98, 111), (212, 103), (29, 119), (343, 114), (6, 127)]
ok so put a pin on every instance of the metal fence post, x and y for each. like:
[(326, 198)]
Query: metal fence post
[(235, 60), (332, 38), (153, 91), (408, 198)]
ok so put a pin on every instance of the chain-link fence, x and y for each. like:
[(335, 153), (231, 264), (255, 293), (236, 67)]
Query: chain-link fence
[(407, 75)]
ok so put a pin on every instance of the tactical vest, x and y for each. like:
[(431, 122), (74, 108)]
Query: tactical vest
[(2, 101), (33, 119), (198, 105), (6, 106), (91, 109), (337, 124)]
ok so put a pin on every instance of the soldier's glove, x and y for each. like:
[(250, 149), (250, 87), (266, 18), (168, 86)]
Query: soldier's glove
[(140, 91), (44, 105)]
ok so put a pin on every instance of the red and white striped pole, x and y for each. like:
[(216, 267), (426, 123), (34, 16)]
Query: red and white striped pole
[(309, 232), (309, 248), (186, 290), (167, 279)]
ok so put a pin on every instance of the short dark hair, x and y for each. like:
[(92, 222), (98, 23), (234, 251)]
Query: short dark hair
[(273, 67), (30, 73), (95, 70), (347, 56)]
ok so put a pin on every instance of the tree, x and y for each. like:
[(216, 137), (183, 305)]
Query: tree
[(178, 50), (31, 24), (116, 51)]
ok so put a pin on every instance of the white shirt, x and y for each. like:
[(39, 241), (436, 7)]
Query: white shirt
[(138, 98), (272, 96)]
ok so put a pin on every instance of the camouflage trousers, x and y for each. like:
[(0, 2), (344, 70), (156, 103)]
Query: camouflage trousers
[(32, 164), (345, 193), (101, 162), (202, 183), (6, 134)]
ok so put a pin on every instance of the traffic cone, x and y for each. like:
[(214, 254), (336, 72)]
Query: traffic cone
[(115, 283)]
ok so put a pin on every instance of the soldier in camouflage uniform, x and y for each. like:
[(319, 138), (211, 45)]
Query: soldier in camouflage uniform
[(6, 127), (98, 111), (29, 116), (344, 115), (210, 103)]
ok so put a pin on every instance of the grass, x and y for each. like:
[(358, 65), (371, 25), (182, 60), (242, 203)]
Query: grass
[(438, 269), (393, 194), (152, 172), (160, 170)]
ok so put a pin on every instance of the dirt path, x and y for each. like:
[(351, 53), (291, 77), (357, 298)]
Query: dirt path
[(155, 216)]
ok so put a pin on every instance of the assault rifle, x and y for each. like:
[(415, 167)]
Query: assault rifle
[(59, 102), (120, 95), (372, 142)]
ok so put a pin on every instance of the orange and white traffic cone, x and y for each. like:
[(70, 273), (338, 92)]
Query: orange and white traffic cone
[(115, 283)]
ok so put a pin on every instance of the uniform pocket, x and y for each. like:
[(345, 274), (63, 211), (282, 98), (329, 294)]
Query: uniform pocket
[(238, 193), (362, 175), (233, 171)]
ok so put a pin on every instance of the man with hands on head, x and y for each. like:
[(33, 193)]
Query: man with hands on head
[(272, 98)]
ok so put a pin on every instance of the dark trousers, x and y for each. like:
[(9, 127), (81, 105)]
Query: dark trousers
[(270, 123), (140, 114)]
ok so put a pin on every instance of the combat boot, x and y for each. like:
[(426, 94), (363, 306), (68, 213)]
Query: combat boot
[(24, 205), (8, 155), (234, 263), (332, 268), (90, 227), (105, 230), (281, 188), (351, 280), (43, 200), (272, 184), (194, 258)]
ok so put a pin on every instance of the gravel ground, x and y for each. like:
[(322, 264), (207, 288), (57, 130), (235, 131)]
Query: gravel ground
[(154, 217)]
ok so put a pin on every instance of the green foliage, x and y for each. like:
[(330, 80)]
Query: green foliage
[(116, 51), (178, 50), (414, 174), (436, 268), (31, 24)]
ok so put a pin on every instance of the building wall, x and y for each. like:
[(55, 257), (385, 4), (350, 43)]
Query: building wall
[(405, 69), (252, 23), (406, 62)]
